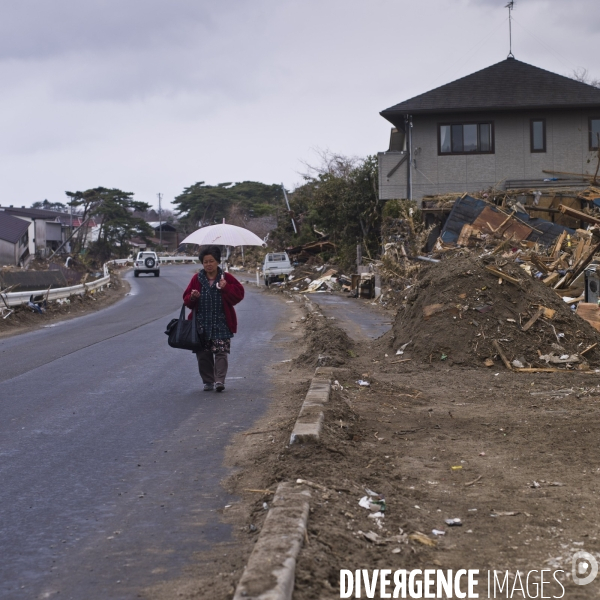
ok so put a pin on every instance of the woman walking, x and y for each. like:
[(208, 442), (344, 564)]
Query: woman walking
[(213, 294)]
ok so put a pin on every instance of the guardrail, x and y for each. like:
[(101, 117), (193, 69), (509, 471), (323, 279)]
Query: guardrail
[(162, 259), (22, 298), (166, 259)]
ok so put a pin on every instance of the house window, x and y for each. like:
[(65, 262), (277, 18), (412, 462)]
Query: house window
[(538, 135), (466, 138), (594, 132)]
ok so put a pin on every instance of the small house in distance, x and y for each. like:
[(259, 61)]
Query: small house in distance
[(508, 125), (14, 241)]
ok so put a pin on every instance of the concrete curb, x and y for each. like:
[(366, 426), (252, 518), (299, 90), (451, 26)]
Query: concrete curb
[(271, 568), (310, 420)]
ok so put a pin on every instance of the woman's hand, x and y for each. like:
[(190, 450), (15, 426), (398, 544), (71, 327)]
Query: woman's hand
[(222, 283), (194, 295)]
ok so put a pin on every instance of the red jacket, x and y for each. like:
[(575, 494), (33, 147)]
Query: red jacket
[(231, 294)]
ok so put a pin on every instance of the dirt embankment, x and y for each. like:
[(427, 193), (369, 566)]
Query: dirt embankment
[(509, 454), (25, 319), (459, 308)]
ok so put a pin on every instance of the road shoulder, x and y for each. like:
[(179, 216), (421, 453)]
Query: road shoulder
[(24, 320)]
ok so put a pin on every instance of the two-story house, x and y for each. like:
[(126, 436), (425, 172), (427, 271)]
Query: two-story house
[(509, 122)]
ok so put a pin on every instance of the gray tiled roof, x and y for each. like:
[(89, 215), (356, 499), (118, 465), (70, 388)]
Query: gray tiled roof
[(32, 213), (507, 85), (11, 228)]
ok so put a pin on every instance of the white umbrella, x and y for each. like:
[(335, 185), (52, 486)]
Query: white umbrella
[(223, 235)]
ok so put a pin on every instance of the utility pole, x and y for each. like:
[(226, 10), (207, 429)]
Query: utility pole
[(287, 202), (160, 216)]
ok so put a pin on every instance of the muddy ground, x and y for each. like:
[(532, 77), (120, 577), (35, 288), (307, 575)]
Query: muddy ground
[(25, 319), (512, 455)]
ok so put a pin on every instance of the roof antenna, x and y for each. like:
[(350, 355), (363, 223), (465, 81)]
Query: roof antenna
[(511, 7)]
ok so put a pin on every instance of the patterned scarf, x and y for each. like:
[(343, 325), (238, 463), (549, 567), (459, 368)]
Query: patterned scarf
[(210, 314)]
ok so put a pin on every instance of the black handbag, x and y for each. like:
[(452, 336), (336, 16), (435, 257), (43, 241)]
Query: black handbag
[(183, 333)]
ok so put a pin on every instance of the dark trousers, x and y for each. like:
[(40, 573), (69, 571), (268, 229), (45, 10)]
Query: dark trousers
[(212, 366)]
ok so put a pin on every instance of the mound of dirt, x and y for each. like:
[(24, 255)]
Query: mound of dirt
[(325, 345), (459, 308)]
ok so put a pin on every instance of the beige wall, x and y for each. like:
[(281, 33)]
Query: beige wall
[(566, 150)]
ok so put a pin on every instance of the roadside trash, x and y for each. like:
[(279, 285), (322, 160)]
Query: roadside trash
[(252, 527), (504, 514), (396, 551), (456, 468), (453, 522), (444, 357), (377, 515), (363, 383), (402, 348), (35, 307), (438, 532), (518, 364), (562, 359), (371, 536), (488, 362), (265, 506), (535, 484), (337, 386), (556, 484), (373, 502)]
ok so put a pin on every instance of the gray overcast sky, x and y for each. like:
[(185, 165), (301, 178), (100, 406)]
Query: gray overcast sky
[(153, 95)]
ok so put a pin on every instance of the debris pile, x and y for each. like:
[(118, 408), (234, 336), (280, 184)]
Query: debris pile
[(316, 278), (487, 312)]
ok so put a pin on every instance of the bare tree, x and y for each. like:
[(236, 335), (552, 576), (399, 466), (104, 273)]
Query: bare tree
[(331, 163), (581, 74)]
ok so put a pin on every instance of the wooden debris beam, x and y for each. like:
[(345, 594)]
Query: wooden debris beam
[(577, 214), (502, 355), (499, 273)]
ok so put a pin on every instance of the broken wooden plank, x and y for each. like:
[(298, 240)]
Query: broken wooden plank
[(589, 312), (548, 312), (588, 349), (492, 220), (558, 246), (539, 370), (432, 309), (551, 279), (502, 355), (574, 300), (499, 273), (577, 214), (533, 319), (465, 234), (579, 267), (539, 264)]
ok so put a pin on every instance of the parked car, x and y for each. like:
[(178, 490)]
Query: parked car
[(276, 267), (146, 262)]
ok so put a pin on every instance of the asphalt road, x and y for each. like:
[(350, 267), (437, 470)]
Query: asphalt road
[(356, 317), (110, 455)]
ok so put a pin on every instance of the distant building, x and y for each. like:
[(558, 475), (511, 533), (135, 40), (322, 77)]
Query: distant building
[(509, 125), (46, 228), (170, 236), (14, 241)]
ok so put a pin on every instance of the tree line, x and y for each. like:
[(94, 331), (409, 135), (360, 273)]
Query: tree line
[(337, 200)]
